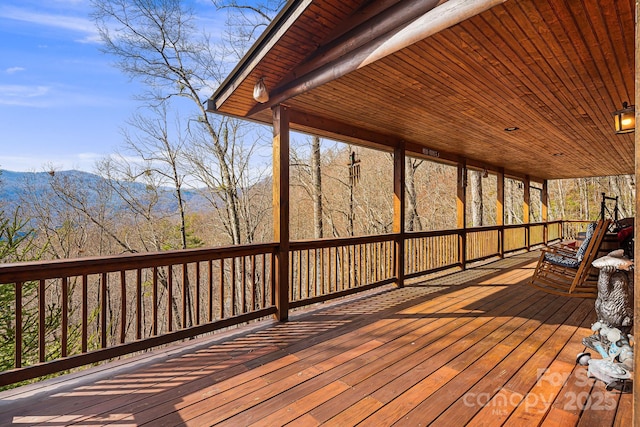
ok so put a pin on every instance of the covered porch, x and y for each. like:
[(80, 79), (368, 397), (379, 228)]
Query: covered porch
[(478, 347), (522, 89)]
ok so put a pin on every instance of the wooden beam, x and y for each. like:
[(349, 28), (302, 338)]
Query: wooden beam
[(437, 19), (281, 209), (461, 207), (344, 132), (399, 175), (376, 26), (341, 131)]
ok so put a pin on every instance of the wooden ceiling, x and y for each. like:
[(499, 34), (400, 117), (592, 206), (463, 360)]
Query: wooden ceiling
[(555, 69)]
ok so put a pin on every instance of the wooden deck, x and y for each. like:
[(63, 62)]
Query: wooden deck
[(478, 347)]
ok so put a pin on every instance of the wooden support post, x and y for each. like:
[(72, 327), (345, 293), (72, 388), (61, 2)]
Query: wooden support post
[(636, 228), (500, 211), (544, 201), (461, 206), (399, 173), (526, 212), (281, 209)]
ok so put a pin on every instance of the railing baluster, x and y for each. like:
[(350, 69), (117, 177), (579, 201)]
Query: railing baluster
[(308, 252), (252, 282), (18, 333), (138, 304), (338, 266), (185, 295), (272, 277), (233, 286), (123, 306), (322, 270), (264, 280), (64, 305), (221, 289), (85, 312), (244, 285), (361, 265), (316, 283), (41, 321), (197, 293), (299, 274), (103, 311), (155, 301), (170, 298), (210, 282)]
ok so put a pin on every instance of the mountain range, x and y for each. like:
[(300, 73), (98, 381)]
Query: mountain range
[(14, 188)]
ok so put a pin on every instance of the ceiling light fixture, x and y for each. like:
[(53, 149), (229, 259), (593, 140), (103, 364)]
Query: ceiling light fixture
[(625, 119), (511, 129), (260, 92)]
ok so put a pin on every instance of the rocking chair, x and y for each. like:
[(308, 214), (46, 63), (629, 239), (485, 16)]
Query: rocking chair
[(565, 271)]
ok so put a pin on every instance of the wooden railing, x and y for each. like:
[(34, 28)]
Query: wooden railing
[(325, 269), (92, 309), (78, 312), (482, 243), (432, 251)]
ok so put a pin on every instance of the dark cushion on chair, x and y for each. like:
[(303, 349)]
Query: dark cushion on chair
[(572, 261), (563, 261)]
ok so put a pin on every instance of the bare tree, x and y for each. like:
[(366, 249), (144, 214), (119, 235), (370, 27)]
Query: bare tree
[(308, 175), (413, 221), (249, 20), (157, 43)]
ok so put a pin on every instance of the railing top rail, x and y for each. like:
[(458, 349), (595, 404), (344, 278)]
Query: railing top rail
[(344, 241), (42, 270)]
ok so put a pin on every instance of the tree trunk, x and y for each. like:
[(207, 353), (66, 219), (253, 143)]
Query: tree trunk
[(508, 200), (316, 178), (413, 221), (476, 198)]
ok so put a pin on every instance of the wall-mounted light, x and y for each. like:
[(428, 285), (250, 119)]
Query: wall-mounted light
[(625, 119), (260, 92)]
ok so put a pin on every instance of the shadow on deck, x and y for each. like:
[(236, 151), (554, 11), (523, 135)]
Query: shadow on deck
[(478, 347)]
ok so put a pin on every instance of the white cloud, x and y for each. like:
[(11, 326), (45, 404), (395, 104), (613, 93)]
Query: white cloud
[(13, 70), (72, 23), (22, 95), (40, 96)]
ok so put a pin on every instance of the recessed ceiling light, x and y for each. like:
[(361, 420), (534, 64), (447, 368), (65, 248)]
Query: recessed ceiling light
[(557, 154), (511, 128)]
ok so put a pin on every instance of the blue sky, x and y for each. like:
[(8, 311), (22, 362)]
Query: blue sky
[(62, 102)]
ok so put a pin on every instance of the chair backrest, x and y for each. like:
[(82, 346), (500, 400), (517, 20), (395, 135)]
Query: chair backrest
[(591, 228), (590, 253)]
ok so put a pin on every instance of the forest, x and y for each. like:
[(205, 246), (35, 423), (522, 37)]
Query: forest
[(173, 149)]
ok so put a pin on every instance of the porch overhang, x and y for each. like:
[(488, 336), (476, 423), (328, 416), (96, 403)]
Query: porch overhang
[(553, 70)]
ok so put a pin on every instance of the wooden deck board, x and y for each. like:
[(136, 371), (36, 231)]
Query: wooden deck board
[(477, 346)]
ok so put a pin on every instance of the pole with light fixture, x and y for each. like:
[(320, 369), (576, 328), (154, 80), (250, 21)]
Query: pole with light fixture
[(625, 119)]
